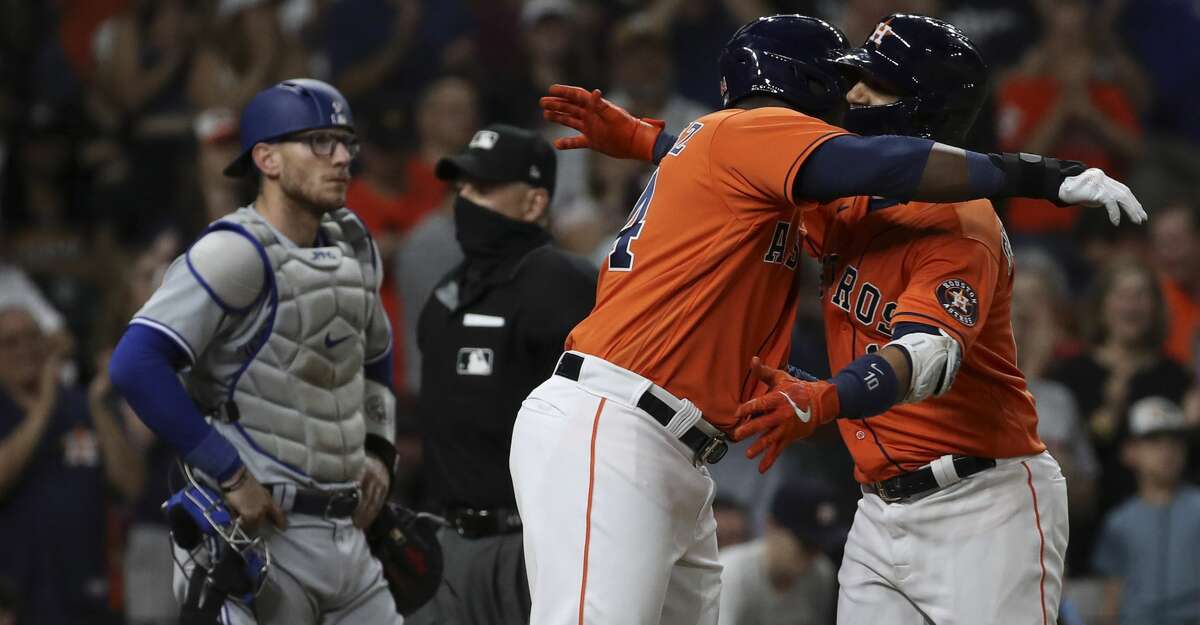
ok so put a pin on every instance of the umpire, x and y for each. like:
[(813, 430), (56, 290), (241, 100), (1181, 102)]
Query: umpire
[(490, 332)]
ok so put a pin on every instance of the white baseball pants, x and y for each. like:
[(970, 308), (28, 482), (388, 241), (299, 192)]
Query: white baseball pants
[(618, 520)]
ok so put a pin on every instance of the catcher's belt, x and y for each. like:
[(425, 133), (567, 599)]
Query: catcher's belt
[(339, 504)]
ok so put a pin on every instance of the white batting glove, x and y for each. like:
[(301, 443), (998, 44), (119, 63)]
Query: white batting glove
[(1094, 188)]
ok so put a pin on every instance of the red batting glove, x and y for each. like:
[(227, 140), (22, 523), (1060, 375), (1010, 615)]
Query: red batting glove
[(606, 127), (791, 409)]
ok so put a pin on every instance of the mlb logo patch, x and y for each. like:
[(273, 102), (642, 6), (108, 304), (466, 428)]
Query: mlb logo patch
[(475, 361), (484, 140)]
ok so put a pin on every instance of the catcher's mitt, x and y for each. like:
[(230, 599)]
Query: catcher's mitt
[(406, 544)]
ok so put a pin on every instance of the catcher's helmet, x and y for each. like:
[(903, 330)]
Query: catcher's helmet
[(932, 66), (790, 57), (288, 107)]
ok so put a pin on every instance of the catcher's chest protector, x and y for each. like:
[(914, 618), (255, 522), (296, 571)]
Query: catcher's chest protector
[(295, 373)]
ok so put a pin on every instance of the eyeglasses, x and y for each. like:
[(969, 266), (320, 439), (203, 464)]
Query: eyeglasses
[(323, 144)]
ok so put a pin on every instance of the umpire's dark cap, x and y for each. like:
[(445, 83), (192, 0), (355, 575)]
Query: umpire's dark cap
[(808, 507), (503, 153)]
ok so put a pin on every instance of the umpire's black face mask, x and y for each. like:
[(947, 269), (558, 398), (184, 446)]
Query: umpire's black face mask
[(485, 234)]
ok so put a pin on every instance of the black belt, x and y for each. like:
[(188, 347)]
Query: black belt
[(483, 522), (339, 504), (709, 449), (922, 480)]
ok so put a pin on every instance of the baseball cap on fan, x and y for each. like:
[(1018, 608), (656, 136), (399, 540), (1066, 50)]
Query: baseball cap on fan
[(808, 507), (503, 153), (1156, 416)]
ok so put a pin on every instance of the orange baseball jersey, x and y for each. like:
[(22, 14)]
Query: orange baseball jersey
[(702, 276), (944, 265)]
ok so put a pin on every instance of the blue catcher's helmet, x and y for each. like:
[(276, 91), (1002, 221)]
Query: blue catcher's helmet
[(789, 57), (932, 66), (288, 107)]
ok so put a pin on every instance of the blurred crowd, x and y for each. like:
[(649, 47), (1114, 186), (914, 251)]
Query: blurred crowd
[(117, 116)]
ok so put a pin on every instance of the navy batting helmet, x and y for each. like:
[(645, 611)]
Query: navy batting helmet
[(790, 57), (936, 71), (288, 107)]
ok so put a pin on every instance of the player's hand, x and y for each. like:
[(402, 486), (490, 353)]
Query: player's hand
[(791, 409), (1094, 188), (374, 485), (606, 127), (252, 503)]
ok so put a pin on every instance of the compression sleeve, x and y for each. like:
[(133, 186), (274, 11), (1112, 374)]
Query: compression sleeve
[(143, 368), (849, 165)]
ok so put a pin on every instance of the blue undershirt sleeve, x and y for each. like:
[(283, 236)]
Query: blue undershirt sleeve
[(143, 368), (849, 165)]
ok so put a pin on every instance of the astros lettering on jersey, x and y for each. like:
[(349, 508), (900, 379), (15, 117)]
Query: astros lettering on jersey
[(945, 265)]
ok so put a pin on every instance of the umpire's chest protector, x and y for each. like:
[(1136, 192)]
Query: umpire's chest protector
[(291, 375)]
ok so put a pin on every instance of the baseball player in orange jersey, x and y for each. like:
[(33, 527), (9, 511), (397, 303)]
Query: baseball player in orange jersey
[(608, 454)]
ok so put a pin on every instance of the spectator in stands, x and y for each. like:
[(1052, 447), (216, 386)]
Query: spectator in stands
[(1123, 363), (446, 115), (1058, 102), (733, 522), (216, 146), (787, 576), (148, 597), (1039, 286), (697, 30), (61, 452), (383, 197), (1150, 545), (242, 52), (1175, 242), (384, 51), (643, 83)]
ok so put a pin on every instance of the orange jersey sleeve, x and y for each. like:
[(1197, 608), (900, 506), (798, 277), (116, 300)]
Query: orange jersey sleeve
[(944, 265), (757, 154), (952, 287), (702, 276)]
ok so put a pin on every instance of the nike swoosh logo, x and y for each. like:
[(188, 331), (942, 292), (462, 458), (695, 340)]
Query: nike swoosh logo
[(802, 415), (332, 343)]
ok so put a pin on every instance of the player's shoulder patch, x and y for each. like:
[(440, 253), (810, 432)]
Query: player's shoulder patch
[(959, 300)]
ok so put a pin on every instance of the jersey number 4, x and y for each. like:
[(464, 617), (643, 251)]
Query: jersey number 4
[(621, 257)]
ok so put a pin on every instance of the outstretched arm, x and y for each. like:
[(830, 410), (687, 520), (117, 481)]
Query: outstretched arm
[(891, 166)]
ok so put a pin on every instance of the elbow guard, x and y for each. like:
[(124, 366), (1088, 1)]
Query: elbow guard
[(935, 359)]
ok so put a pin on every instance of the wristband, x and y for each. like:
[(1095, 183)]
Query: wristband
[(866, 387), (1033, 175)]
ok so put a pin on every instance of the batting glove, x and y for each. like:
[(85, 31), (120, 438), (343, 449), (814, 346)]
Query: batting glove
[(1094, 188), (606, 127), (790, 410)]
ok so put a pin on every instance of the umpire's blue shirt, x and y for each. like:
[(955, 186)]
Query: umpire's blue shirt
[(53, 519), (1155, 550)]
